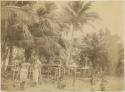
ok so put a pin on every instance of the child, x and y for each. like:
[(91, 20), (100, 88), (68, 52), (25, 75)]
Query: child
[(23, 75)]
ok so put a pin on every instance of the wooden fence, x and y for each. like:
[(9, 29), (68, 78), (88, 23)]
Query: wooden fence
[(52, 72)]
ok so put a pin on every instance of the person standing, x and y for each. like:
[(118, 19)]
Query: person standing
[(103, 83), (23, 74), (36, 71)]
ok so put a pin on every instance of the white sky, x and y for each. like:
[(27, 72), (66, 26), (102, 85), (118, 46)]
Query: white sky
[(112, 15)]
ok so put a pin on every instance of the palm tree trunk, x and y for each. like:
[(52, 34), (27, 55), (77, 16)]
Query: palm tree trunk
[(5, 61), (28, 52), (70, 53), (71, 41), (10, 58)]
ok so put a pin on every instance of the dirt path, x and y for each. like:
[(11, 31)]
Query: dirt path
[(113, 84)]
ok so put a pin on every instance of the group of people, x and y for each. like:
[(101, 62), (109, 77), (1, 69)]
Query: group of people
[(32, 70)]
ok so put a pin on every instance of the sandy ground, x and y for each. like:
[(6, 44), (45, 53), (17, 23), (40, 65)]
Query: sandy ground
[(113, 84)]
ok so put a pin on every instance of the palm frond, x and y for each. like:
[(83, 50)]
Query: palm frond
[(85, 7), (47, 45), (92, 16), (15, 13), (78, 13), (87, 17), (70, 10), (18, 19), (26, 32)]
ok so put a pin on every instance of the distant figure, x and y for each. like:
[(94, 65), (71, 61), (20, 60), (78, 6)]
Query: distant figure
[(16, 69), (23, 74), (92, 82), (36, 71), (103, 84), (61, 84)]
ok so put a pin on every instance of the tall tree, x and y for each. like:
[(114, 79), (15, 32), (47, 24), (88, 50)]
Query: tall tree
[(16, 18), (76, 14), (93, 47)]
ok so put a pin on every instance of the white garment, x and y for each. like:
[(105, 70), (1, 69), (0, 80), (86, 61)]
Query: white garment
[(35, 73), (23, 74)]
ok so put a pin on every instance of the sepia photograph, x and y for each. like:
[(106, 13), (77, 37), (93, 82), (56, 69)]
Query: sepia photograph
[(62, 46)]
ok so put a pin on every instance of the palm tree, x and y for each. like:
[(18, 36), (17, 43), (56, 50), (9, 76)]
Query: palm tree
[(76, 14), (93, 46), (15, 24), (48, 28)]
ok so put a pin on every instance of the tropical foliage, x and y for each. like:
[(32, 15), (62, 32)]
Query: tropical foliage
[(39, 27), (97, 47)]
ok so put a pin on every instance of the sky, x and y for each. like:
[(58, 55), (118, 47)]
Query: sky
[(112, 13), (112, 16)]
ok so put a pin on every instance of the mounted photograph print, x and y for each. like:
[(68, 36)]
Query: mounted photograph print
[(62, 46)]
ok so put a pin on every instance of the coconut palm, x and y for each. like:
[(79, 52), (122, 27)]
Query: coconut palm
[(76, 14), (48, 27), (120, 64), (93, 46), (15, 22)]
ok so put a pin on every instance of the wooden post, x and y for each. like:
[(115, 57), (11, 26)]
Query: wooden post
[(47, 72), (74, 78)]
